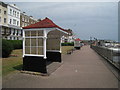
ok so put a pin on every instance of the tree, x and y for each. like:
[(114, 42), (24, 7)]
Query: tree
[(39, 19)]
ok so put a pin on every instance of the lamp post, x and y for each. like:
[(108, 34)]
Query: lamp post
[(90, 41)]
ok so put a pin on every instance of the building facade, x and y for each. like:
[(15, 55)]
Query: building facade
[(69, 38), (3, 20), (26, 20), (14, 22)]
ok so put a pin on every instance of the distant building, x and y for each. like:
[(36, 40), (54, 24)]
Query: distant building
[(69, 38), (14, 22), (26, 20), (77, 43), (3, 19)]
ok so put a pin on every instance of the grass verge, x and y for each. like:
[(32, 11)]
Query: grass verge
[(14, 63), (66, 48)]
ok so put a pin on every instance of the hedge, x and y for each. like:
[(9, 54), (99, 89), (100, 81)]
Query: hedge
[(68, 44), (9, 45), (7, 48), (17, 44)]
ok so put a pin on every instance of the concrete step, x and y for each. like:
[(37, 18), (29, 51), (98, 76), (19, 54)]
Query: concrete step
[(53, 66)]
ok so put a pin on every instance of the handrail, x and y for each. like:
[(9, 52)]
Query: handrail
[(109, 54)]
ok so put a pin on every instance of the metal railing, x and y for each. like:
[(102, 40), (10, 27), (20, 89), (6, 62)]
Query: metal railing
[(113, 56)]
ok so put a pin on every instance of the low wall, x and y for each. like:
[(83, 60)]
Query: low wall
[(36, 64), (39, 64), (109, 54)]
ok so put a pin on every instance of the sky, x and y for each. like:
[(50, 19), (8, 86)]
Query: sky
[(86, 19)]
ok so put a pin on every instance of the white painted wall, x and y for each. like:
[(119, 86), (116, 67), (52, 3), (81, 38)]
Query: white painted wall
[(14, 22), (13, 16), (69, 39)]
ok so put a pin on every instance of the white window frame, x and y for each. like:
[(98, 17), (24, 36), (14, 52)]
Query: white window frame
[(10, 11), (14, 21), (45, 31), (41, 37)]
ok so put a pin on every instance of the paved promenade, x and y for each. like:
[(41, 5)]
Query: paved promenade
[(82, 69)]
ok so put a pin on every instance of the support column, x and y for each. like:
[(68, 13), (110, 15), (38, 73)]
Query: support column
[(45, 38), (60, 45), (23, 42)]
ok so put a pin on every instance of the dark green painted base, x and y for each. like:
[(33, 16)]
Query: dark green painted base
[(36, 64), (54, 56)]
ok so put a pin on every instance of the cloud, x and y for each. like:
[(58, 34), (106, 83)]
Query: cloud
[(97, 19), (61, 0)]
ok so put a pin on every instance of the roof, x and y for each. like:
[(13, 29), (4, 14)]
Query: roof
[(77, 39), (45, 23), (3, 4)]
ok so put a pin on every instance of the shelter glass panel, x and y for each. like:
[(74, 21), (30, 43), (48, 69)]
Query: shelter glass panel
[(53, 44), (33, 33), (27, 42), (40, 42), (33, 41), (40, 50), (33, 50), (27, 33), (40, 33), (27, 50)]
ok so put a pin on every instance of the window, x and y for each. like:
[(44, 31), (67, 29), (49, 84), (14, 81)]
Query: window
[(3, 31), (7, 31), (22, 18), (28, 20), (10, 21), (14, 21), (18, 23), (10, 38), (11, 11), (25, 19), (22, 24), (4, 20), (15, 13), (25, 24), (21, 33), (0, 19), (5, 12), (10, 31), (14, 32), (33, 43), (18, 14)]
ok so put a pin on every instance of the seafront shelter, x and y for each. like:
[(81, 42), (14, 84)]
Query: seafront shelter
[(77, 44), (41, 43)]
